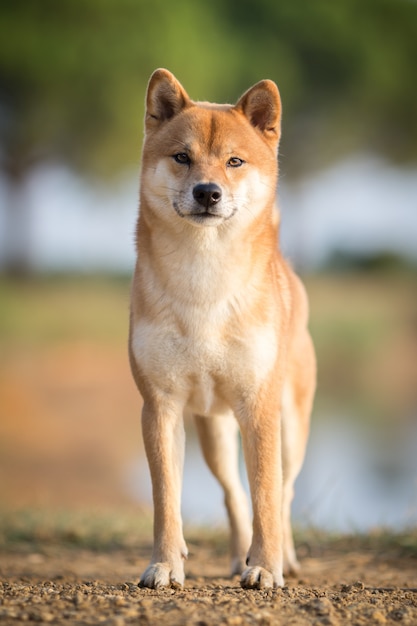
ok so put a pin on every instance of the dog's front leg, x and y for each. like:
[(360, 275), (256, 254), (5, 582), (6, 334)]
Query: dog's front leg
[(163, 434), (261, 437)]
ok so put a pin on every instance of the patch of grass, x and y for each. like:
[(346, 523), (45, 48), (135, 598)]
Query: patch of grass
[(380, 540), (49, 310), (82, 529), (31, 529)]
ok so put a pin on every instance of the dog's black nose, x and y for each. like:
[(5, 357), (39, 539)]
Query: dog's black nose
[(207, 194)]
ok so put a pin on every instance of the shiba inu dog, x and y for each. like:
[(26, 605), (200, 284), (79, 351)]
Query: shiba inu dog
[(219, 324)]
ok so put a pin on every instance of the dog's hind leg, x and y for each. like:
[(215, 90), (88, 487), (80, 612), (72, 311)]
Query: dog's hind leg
[(297, 401), (219, 442)]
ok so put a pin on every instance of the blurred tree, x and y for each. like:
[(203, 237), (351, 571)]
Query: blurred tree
[(346, 72), (72, 81), (73, 75)]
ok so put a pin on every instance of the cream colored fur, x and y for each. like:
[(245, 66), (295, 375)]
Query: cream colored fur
[(219, 324)]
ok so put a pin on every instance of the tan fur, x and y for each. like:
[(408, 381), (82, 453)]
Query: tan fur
[(219, 324)]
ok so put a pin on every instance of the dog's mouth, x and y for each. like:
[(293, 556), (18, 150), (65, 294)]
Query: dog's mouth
[(205, 215), (209, 215)]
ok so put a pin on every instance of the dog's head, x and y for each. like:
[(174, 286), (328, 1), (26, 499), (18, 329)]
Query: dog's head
[(206, 163)]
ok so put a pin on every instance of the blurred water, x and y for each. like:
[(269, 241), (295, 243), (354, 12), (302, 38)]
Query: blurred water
[(355, 477), (358, 476)]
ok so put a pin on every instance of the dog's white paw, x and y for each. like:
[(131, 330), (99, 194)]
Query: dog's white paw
[(159, 575), (257, 577)]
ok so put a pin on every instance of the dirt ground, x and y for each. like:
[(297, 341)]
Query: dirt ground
[(343, 581)]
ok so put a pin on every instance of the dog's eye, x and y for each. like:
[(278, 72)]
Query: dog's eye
[(235, 162), (182, 157)]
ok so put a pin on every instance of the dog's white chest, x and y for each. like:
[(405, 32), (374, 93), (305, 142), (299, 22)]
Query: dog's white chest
[(203, 372)]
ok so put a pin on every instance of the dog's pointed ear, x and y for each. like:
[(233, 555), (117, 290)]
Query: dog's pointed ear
[(261, 104), (165, 97)]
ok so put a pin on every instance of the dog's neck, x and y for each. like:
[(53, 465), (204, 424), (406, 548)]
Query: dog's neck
[(207, 264)]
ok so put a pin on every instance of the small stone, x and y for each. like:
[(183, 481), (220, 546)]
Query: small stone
[(46, 616), (115, 621), (130, 613), (146, 604), (358, 585), (78, 598), (320, 606)]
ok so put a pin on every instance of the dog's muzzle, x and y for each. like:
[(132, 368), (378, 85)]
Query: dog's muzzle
[(208, 206)]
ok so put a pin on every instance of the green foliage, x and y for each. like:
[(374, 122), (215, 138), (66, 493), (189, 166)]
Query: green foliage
[(383, 262), (345, 71), (73, 74)]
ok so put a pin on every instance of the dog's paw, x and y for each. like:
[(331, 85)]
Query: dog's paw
[(257, 577), (159, 575)]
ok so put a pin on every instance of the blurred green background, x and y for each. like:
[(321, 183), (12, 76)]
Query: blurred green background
[(73, 76)]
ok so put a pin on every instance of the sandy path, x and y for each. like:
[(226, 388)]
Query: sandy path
[(342, 583)]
